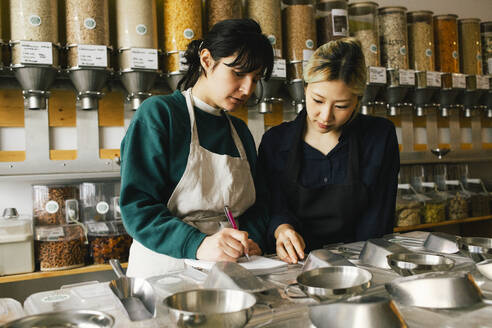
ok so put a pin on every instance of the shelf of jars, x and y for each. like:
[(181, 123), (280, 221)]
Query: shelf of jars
[(443, 223)]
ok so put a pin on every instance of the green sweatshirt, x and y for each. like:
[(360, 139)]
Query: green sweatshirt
[(154, 153)]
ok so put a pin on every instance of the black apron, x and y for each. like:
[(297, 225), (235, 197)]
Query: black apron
[(327, 214)]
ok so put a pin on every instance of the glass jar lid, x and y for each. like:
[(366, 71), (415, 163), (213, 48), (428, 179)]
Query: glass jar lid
[(391, 10)]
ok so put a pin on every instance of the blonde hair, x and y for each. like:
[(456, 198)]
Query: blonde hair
[(342, 60)]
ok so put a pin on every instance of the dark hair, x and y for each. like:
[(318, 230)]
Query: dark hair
[(226, 38)]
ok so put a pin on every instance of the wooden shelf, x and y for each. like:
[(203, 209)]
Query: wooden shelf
[(444, 223), (49, 274)]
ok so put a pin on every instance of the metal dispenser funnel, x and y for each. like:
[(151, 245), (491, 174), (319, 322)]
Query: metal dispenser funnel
[(471, 95), (138, 83), (453, 86), (426, 87), (35, 81), (266, 92), (396, 91), (173, 79), (296, 91), (89, 83), (488, 100), (376, 81)]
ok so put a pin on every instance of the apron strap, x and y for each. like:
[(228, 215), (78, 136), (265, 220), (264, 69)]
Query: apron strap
[(235, 137), (191, 112)]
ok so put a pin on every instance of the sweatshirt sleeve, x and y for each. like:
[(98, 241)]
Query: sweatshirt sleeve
[(145, 191)]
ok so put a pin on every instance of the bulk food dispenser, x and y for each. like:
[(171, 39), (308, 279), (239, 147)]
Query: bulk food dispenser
[(88, 49), (35, 48), (299, 32), (268, 14), (136, 23)]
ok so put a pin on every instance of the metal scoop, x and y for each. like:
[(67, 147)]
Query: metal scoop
[(136, 294)]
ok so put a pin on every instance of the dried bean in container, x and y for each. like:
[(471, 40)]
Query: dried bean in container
[(219, 10), (394, 39), (267, 14), (421, 44), (470, 46), (369, 41), (104, 248), (136, 24), (480, 205)]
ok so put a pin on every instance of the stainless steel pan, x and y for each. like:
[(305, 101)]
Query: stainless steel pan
[(407, 264)]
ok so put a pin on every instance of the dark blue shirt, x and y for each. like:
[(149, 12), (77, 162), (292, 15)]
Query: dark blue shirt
[(379, 165)]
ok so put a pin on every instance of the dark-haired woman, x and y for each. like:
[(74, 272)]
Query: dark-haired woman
[(332, 172), (184, 158)]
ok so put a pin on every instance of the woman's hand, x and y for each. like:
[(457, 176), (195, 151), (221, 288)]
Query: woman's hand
[(226, 245), (253, 248), (290, 245)]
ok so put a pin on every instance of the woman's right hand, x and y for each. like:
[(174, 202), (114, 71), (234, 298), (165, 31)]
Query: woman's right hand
[(226, 245), (290, 245)]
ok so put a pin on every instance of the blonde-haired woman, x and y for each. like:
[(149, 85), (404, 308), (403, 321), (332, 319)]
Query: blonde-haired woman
[(332, 172)]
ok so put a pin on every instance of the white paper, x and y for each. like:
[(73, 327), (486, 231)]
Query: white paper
[(452, 182), (98, 227), (459, 81), (92, 55), (405, 186), (279, 68), (339, 22), (50, 233), (483, 82), (307, 54), (407, 77), (277, 52), (429, 184), (183, 67), (143, 58), (257, 265), (434, 79), (476, 181), (35, 52), (377, 74)]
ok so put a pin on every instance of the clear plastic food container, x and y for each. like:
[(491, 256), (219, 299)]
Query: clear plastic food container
[(363, 22), (421, 40), (10, 310), (447, 44), (409, 207), (108, 240), (394, 37), (486, 33), (96, 200), (331, 20), (50, 204)]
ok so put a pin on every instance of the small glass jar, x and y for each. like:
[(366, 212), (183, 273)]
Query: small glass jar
[(363, 25), (421, 40), (331, 20), (394, 37), (486, 32), (299, 29), (470, 46), (268, 14), (447, 44)]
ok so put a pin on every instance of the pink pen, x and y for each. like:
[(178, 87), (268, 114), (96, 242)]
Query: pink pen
[(229, 216)]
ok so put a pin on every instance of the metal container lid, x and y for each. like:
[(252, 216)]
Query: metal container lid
[(447, 16), (73, 319), (363, 4), (389, 10), (468, 20), (298, 2), (486, 26), (14, 227), (420, 12)]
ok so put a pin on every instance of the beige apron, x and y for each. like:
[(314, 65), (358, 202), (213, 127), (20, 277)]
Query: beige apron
[(209, 182)]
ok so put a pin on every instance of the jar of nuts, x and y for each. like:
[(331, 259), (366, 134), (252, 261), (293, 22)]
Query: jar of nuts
[(49, 203), (60, 247), (108, 240)]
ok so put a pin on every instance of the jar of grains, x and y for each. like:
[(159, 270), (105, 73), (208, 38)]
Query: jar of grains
[(136, 27), (267, 14), (108, 240), (219, 10), (182, 24), (363, 26), (421, 40), (49, 203), (298, 26), (470, 46), (33, 20), (393, 35), (446, 40), (60, 247), (486, 31), (331, 20), (88, 25)]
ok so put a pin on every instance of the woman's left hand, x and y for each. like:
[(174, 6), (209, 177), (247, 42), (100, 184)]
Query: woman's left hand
[(253, 248)]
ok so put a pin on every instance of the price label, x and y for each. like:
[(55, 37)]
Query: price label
[(183, 67), (475, 181), (50, 233), (404, 186), (377, 75), (459, 81), (279, 68), (434, 79), (277, 52), (483, 82), (307, 54), (92, 56), (144, 58), (407, 77), (339, 22), (98, 227), (35, 52), (429, 184), (452, 182)]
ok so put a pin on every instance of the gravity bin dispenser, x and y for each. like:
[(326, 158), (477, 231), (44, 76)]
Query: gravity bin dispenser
[(375, 86), (400, 87), (267, 92)]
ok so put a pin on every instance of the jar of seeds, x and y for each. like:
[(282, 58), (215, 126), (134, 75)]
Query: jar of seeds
[(331, 20), (486, 32), (34, 20), (219, 10), (364, 26), (299, 29), (393, 35), (421, 40), (50, 203), (470, 46), (182, 24), (267, 14), (447, 44)]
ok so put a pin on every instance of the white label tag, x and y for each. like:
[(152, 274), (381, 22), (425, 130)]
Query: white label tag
[(102, 207), (144, 58), (452, 182), (405, 186), (459, 81), (35, 52), (377, 74), (277, 52), (307, 54), (51, 207), (279, 68), (98, 227), (475, 181), (483, 82), (407, 77), (93, 56), (183, 67), (55, 298), (434, 79), (339, 22), (429, 184), (489, 64), (50, 233)]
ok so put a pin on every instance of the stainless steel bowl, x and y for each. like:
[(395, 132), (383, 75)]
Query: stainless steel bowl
[(375, 252), (226, 308), (485, 268), (72, 319), (407, 264), (321, 258), (359, 311), (478, 248), (441, 242), (331, 282)]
